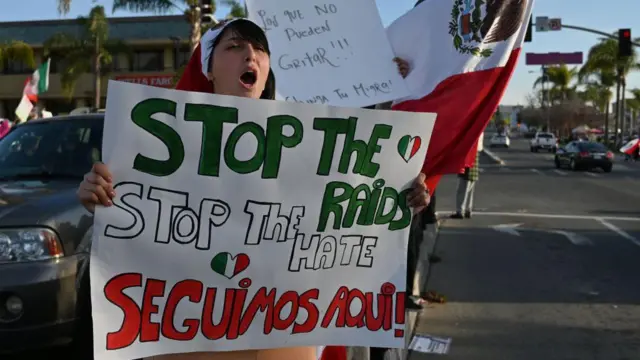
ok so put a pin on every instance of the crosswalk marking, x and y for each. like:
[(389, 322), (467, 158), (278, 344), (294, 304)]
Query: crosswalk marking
[(536, 171), (560, 172), (592, 174)]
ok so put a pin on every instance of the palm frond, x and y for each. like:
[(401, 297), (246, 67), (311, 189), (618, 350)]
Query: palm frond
[(156, 6)]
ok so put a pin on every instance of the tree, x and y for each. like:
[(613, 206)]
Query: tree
[(236, 10), (560, 79), (603, 57), (17, 51), (64, 6), (87, 53)]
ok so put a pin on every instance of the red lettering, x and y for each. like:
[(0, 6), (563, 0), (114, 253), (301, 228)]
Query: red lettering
[(339, 304), (373, 322), (312, 312), (236, 313), (114, 292), (261, 301), (211, 330), (288, 297), (150, 331), (191, 289), (358, 320)]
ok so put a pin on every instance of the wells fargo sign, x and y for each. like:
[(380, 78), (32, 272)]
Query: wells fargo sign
[(164, 81)]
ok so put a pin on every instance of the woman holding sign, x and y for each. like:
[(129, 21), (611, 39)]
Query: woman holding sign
[(233, 58)]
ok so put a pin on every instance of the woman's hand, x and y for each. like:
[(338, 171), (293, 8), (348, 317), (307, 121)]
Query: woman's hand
[(403, 66), (419, 197), (96, 188)]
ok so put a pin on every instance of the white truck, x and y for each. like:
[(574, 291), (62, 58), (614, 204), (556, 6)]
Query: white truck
[(544, 141)]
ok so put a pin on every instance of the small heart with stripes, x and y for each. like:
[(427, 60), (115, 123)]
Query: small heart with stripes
[(408, 146), (228, 265)]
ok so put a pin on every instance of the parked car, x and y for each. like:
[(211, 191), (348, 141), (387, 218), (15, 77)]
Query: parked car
[(499, 140), (544, 141), (45, 233), (586, 155)]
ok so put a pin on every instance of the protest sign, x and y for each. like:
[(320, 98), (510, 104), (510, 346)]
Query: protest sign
[(250, 224), (333, 53)]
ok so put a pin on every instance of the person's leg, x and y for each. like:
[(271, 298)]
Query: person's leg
[(429, 213), (412, 263), (471, 190), (461, 194)]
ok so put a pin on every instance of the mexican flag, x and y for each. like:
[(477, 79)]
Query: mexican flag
[(462, 55), (38, 82)]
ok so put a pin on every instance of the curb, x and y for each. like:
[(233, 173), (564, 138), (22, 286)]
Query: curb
[(493, 156)]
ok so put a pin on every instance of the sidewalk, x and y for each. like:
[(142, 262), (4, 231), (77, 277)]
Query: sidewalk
[(422, 274)]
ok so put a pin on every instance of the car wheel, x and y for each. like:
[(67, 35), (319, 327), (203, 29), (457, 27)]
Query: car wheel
[(607, 169), (572, 165)]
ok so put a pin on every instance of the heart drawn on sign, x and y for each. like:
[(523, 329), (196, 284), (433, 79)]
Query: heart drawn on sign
[(228, 265), (408, 146)]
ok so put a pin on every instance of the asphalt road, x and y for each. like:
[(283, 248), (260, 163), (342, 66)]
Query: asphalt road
[(547, 268)]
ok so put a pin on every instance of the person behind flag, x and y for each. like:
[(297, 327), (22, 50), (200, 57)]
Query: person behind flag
[(467, 180), (233, 58)]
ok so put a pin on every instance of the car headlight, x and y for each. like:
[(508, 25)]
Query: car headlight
[(21, 245)]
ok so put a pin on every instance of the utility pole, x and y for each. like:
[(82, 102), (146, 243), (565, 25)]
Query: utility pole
[(546, 99)]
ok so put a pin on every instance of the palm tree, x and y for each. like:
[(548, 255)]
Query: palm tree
[(598, 87), (17, 51), (86, 53), (236, 10), (604, 57), (560, 78), (64, 6)]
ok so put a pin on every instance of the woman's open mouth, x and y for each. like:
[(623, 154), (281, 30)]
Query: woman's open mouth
[(248, 79)]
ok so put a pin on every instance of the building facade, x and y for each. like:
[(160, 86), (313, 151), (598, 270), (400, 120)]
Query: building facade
[(157, 46)]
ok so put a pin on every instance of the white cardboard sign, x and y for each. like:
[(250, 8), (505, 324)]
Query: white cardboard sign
[(333, 53), (251, 224)]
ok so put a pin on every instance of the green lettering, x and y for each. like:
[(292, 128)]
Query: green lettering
[(383, 218), (331, 204), (254, 163), (405, 220), (357, 202), (276, 140), (370, 168), (331, 127), (351, 146), (375, 199), (213, 119), (141, 115)]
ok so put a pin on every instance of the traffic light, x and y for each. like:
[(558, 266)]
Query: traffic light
[(625, 47), (206, 10), (529, 35)]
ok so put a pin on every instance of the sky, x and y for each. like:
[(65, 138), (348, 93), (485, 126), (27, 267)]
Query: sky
[(605, 16)]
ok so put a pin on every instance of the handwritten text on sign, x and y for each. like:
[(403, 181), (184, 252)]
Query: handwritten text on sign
[(244, 224), (320, 56)]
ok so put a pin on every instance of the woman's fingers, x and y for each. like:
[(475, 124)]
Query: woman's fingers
[(102, 170)]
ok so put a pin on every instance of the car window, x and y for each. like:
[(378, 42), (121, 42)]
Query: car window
[(545, 136), (58, 147), (592, 146)]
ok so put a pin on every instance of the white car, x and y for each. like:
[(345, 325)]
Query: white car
[(499, 140), (544, 141)]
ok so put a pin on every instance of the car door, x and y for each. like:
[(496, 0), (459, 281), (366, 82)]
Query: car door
[(565, 156)]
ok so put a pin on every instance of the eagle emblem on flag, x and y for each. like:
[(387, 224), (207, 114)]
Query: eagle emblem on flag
[(475, 23)]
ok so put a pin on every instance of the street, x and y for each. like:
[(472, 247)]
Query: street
[(547, 268)]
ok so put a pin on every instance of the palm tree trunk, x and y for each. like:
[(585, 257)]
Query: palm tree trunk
[(196, 29), (617, 121), (623, 108), (97, 75), (606, 124)]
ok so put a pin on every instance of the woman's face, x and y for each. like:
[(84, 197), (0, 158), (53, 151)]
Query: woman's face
[(238, 68)]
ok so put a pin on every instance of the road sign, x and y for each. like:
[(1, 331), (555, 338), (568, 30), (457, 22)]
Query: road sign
[(556, 58), (555, 24), (542, 23)]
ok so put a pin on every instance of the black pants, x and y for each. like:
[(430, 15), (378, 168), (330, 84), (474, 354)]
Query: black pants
[(429, 214), (413, 250)]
